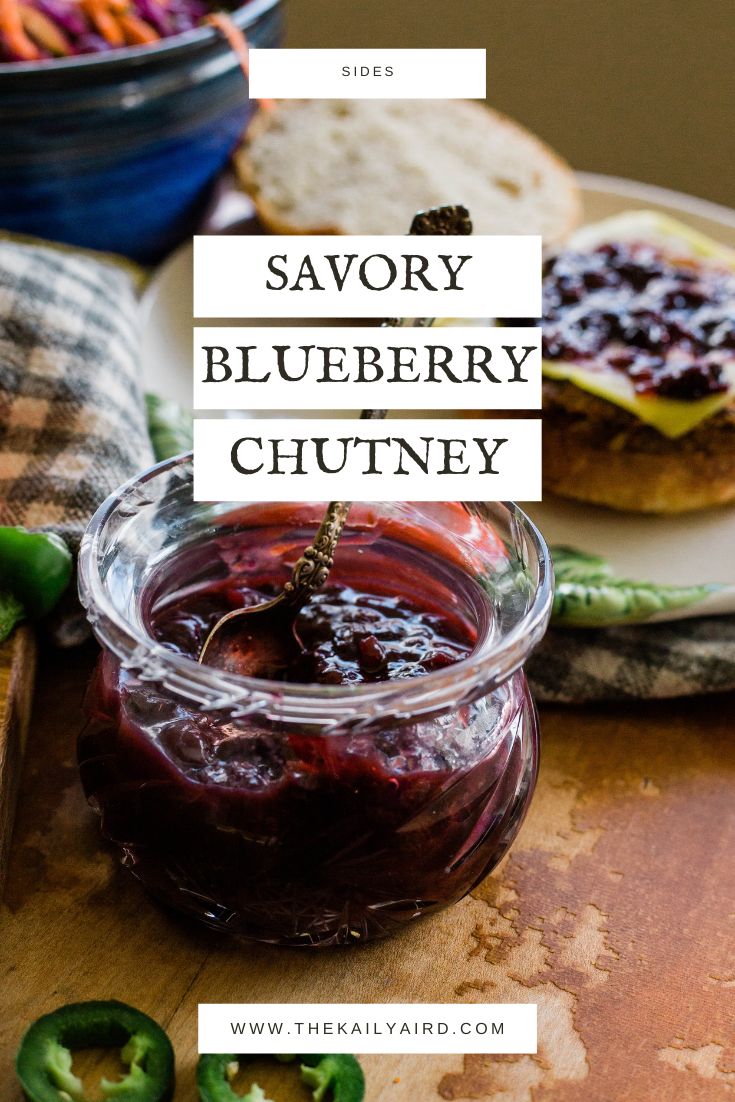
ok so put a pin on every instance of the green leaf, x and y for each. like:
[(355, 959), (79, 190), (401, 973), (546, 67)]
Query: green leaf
[(170, 427), (571, 564), (587, 593)]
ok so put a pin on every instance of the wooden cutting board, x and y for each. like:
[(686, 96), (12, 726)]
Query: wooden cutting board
[(614, 912), (17, 670)]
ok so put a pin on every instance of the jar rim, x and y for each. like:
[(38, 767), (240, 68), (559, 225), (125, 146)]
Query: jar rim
[(491, 663)]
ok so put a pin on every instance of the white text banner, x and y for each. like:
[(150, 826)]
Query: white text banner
[(406, 1028), (367, 74), (318, 276), (348, 459), (345, 368)]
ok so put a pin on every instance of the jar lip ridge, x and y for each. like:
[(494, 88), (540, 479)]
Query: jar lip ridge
[(489, 665)]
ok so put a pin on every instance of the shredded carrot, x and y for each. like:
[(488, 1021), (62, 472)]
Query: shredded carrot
[(11, 26), (235, 38), (24, 29), (105, 22), (136, 30), (44, 31), (239, 45)]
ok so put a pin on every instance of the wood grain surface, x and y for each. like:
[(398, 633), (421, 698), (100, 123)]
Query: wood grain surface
[(615, 912), (17, 669)]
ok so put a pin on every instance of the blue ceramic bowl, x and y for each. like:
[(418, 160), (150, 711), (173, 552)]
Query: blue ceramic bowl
[(118, 151)]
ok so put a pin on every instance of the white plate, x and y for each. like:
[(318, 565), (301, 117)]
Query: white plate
[(692, 549)]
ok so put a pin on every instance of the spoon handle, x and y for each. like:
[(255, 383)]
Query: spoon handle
[(312, 568)]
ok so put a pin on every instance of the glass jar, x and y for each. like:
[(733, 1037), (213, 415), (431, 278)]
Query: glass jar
[(309, 814)]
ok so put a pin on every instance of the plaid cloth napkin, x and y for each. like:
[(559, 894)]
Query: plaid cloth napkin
[(643, 661), (72, 417)]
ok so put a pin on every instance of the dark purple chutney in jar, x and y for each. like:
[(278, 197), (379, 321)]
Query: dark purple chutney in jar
[(312, 830)]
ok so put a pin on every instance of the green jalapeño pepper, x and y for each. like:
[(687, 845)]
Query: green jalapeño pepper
[(35, 567), (11, 613), (336, 1078), (44, 1060)]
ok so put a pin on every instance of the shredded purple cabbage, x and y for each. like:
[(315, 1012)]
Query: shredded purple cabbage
[(78, 32)]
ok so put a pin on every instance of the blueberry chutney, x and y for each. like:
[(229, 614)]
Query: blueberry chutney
[(667, 323), (380, 779), (345, 636)]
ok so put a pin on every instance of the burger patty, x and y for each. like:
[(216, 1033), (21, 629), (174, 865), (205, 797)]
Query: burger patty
[(601, 424)]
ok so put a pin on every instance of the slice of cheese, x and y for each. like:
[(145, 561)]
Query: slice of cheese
[(673, 237), (671, 418)]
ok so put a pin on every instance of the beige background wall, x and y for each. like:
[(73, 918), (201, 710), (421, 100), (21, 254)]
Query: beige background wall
[(637, 88)]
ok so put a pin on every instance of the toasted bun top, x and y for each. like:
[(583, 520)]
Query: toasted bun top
[(366, 166)]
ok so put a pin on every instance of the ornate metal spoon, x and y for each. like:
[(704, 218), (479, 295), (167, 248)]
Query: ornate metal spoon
[(260, 641)]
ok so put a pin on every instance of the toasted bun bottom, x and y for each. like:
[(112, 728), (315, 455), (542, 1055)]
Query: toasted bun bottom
[(594, 451), (671, 480)]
